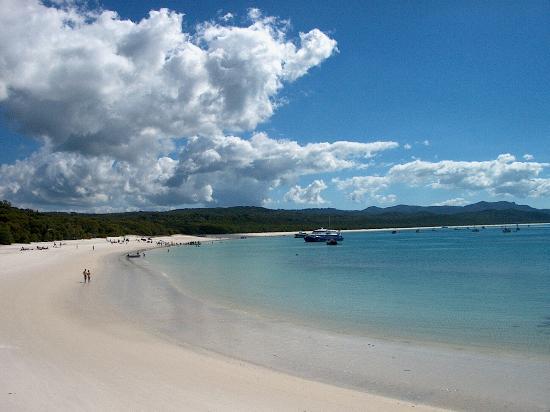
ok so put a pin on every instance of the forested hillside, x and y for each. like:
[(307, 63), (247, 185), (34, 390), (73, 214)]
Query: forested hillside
[(24, 225)]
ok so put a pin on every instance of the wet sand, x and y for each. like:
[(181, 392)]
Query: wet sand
[(445, 376), (65, 346)]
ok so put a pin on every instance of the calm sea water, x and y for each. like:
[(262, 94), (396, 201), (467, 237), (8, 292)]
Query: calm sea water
[(486, 289)]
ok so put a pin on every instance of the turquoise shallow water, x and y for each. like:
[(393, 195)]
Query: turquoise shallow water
[(488, 289)]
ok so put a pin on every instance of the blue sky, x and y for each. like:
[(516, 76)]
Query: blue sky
[(454, 84)]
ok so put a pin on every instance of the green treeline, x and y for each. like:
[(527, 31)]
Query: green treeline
[(24, 225)]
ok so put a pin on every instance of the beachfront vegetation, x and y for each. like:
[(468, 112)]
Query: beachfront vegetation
[(25, 225)]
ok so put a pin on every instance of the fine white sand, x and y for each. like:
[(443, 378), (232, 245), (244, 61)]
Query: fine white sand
[(61, 349)]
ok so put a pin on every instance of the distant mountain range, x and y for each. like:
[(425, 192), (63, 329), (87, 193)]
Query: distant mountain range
[(24, 225), (452, 210)]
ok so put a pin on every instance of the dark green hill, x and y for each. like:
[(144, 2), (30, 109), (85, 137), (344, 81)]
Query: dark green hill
[(24, 225)]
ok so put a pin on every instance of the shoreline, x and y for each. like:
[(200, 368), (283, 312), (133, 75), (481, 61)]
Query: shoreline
[(440, 375), (387, 229), (336, 329), (66, 332), (62, 350)]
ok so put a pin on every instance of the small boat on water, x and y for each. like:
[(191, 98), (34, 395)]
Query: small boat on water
[(332, 242), (133, 255), (300, 235), (324, 235)]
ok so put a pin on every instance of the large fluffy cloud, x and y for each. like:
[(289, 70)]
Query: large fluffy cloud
[(227, 170), (241, 170), (264, 158), (110, 99), (502, 176), (94, 82)]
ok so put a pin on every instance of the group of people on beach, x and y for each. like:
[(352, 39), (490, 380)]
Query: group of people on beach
[(87, 275)]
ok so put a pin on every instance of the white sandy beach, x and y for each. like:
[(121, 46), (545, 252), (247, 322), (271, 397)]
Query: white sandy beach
[(61, 349)]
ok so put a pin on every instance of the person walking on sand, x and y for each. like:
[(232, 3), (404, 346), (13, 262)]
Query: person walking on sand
[(85, 273), (89, 276)]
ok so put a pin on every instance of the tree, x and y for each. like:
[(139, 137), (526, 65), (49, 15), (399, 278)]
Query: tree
[(6, 238)]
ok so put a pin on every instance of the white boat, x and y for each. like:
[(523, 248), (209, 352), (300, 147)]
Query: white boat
[(323, 235)]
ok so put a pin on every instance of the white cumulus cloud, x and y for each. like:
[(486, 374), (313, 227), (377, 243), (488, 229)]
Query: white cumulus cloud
[(226, 170), (361, 188), (310, 194), (227, 16), (111, 100), (244, 169), (96, 83), (502, 176)]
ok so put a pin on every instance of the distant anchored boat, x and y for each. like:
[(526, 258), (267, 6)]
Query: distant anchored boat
[(133, 255), (324, 235), (300, 235)]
